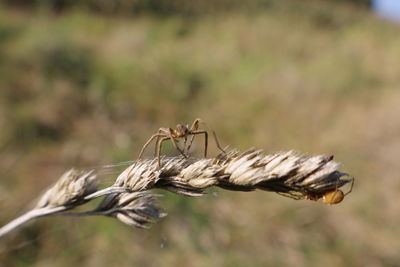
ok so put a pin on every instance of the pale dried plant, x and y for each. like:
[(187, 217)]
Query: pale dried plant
[(284, 172), (135, 209), (287, 173), (68, 192)]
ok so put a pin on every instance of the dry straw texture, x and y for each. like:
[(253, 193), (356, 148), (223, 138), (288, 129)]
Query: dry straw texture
[(287, 173)]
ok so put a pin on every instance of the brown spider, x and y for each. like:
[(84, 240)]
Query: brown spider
[(330, 197), (336, 196), (181, 131)]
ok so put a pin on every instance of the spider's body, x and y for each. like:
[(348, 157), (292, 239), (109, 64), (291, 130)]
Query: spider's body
[(181, 131), (330, 197)]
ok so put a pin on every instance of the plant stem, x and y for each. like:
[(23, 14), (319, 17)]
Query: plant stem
[(30, 215)]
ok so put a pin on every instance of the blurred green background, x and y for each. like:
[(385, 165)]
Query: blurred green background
[(85, 84)]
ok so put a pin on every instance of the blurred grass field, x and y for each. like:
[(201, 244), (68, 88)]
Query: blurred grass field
[(81, 88)]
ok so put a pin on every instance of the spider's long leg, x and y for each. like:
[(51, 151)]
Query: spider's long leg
[(155, 147), (205, 140), (184, 144), (351, 187), (176, 146), (195, 125), (157, 135), (216, 141), (159, 148), (148, 142), (163, 132), (190, 142), (290, 196)]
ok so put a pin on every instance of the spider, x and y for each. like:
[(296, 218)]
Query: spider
[(330, 197), (181, 131), (336, 196)]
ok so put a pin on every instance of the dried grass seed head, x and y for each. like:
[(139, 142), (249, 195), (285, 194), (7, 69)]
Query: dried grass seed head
[(134, 209), (70, 189), (291, 173)]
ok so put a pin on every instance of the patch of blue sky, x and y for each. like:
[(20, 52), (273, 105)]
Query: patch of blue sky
[(389, 9)]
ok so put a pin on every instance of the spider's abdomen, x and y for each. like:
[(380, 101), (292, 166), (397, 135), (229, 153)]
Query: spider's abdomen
[(333, 197)]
